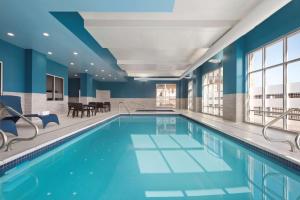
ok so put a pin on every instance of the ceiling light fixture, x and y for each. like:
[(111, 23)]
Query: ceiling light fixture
[(71, 63), (49, 53), (86, 70), (10, 34), (76, 75), (102, 70), (103, 78), (75, 53), (96, 74), (109, 75), (215, 61), (92, 64), (46, 34)]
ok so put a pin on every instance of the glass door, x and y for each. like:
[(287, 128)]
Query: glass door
[(166, 95)]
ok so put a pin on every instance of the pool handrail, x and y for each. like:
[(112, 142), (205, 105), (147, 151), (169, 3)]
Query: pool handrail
[(125, 105), (297, 138), (4, 139), (139, 104), (11, 110)]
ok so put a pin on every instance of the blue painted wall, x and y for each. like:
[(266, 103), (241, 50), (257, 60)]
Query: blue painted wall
[(129, 89), (286, 20), (182, 88), (132, 88), (13, 59), (234, 68), (57, 69), (87, 85), (25, 70), (35, 73), (74, 87)]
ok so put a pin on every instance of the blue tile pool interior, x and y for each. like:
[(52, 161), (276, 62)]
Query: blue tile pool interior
[(150, 157)]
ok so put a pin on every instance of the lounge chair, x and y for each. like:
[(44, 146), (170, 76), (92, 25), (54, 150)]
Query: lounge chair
[(8, 126), (15, 103)]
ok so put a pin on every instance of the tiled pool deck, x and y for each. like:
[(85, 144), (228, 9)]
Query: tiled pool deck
[(248, 133)]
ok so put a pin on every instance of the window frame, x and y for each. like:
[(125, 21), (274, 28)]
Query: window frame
[(63, 87), (220, 93), (190, 95), (285, 62), (157, 100)]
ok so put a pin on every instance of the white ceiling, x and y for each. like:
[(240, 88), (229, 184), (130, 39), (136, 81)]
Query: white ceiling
[(166, 44)]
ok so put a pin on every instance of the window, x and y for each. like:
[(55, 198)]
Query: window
[(212, 92), (55, 88), (166, 95), (273, 82), (190, 95), (1, 78), (293, 93)]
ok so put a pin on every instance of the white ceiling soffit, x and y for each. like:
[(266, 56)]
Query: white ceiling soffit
[(260, 13), (170, 44)]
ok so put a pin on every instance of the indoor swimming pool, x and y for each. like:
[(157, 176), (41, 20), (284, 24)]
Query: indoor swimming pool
[(150, 157)]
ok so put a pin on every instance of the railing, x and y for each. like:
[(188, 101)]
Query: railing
[(297, 139), (4, 139), (125, 106), (14, 140), (139, 104)]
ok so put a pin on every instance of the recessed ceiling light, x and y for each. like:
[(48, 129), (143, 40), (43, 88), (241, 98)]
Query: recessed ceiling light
[(109, 75), (75, 74), (103, 78), (92, 64), (102, 70), (46, 34), (215, 61), (10, 34), (49, 53), (86, 70), (96, 74), (71, 63), (75, 53)]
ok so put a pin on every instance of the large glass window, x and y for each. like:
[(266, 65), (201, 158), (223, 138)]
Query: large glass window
[(166, 95), (212, 92), (274, 84), (55, 88), (293, 97), (190, 95)]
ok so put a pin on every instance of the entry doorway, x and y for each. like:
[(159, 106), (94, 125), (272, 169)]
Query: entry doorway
[(166, 95)]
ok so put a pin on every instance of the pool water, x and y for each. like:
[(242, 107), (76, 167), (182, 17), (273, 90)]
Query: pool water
[(150, 157)]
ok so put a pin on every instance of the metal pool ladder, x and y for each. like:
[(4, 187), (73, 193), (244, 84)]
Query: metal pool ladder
[(125, 106), (139, 104), (293, 144), (18, 139), (4, 139)]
